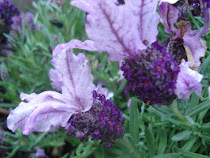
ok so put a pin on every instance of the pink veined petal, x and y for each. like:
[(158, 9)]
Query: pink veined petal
[(169, 16), (56, 79), (77, 78), (188, 80), (121, 30), (147, 18), (41, 112)]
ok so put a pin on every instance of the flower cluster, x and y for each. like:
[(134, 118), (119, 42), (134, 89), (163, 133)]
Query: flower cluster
[(103, 121), (152, 76), (7, 11)]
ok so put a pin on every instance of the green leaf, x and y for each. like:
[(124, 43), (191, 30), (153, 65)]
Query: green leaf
[(198, 109), (182, 136), (163, 141), (149, 142), (190, 143), (206, 64), (206, 127), (188, 154), (134, 121), (171, 155)]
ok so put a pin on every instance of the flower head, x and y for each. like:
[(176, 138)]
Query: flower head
[(41, 112), (152, 76)]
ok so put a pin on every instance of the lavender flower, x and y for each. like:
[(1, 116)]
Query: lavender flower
[(7, 11), (50, 109), (128, 29)]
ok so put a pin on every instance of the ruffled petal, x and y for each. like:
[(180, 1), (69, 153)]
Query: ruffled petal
[(188, 81), (77, 78), (120, 30), (56, 78), (40, 112), (169, 16)]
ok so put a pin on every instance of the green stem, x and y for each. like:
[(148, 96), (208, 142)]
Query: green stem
[(130, 147), (179, 115)]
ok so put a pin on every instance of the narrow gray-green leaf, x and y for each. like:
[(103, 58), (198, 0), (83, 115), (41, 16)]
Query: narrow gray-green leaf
[(182, 136), (134, 121), (149, 142)]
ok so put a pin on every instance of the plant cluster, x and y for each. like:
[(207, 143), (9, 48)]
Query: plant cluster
[(103, 79)]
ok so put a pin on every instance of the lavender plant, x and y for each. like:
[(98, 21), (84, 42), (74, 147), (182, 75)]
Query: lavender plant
[(156, 52)]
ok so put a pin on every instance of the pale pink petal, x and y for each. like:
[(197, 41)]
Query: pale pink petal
[(77, 78), (56, 78), (41, 112), (169, 16), (188, 80), (120, 30)]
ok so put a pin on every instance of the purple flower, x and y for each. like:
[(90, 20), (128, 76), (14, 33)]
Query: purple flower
[(56, 78), (152, 76), (28, 20), (7, 11), (121, 30), (40, 153), (188, 80), (40, 112)]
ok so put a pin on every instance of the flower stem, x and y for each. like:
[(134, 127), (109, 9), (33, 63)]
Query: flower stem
[(130, 147), (179, 115)]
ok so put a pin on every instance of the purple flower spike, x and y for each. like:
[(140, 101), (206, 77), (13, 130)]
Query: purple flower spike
[(103, 121), (188, 80), (41, 112), (121, 30), (152, 76)]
